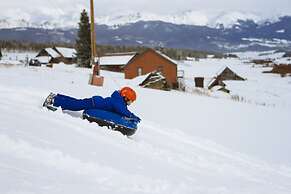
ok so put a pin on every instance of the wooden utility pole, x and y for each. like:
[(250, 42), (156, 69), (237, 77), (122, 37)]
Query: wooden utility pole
[(93, 35), (96, 79)]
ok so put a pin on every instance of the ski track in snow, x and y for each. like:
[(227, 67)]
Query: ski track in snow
[(54, 152)]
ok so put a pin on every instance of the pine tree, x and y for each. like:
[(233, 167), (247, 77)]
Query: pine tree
[(83, 41)]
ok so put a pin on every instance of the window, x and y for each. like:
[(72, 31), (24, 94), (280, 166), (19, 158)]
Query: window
[(139, 71)]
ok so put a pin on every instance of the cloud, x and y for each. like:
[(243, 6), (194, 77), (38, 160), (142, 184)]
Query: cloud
[(38, 10)]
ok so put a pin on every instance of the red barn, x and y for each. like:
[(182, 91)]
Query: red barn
[(149, 61)]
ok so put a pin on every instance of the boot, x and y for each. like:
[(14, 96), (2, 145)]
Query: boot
[(49, 101)]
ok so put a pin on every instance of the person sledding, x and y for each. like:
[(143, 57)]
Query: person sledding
[(117, 103)]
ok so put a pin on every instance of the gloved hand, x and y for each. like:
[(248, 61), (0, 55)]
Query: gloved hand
[(135, 118)]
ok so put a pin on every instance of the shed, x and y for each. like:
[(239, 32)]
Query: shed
[(150, 61), (155, 80), (225, 74)]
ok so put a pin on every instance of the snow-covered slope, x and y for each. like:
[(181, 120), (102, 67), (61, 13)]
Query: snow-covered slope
[(186, 143)]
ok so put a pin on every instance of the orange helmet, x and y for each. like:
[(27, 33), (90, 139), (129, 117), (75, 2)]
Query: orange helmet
[(128, 93)]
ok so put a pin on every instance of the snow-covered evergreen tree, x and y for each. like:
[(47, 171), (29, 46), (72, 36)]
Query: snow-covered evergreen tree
[(83, 41)]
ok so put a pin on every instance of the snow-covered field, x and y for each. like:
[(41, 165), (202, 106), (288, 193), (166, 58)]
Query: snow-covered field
[(186, 143), (259, 88), (16, 57)]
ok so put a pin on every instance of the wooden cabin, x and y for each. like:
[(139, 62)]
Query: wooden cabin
[(48, 55), (57, 55), (225, 74)]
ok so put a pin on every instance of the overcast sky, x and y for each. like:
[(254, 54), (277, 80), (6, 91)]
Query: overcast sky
[(40, 8)]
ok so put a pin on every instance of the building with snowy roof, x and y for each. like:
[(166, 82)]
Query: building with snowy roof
[(68, 55), (225, 74), (137, 64), (57, 55), (48, 55), (115, 61)]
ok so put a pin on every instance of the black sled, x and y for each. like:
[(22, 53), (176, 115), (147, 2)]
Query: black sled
[(111, 120)]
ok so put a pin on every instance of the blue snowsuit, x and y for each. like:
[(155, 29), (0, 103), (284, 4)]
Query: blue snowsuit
[(115, 103)]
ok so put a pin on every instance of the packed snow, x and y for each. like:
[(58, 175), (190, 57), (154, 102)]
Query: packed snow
[(186, 142)]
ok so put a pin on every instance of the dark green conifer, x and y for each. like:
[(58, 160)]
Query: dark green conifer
[(83, 41)]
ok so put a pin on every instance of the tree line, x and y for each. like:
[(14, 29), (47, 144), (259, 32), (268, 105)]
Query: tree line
[(178, 54), (11, 45)]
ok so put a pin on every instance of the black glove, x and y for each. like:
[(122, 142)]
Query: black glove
[(135, 118)]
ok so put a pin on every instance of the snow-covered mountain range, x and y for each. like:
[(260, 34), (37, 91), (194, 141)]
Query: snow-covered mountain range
[(190, 29), (200, 18)]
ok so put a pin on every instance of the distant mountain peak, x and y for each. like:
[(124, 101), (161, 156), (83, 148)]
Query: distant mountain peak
[(119, 18), (187, 17)]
